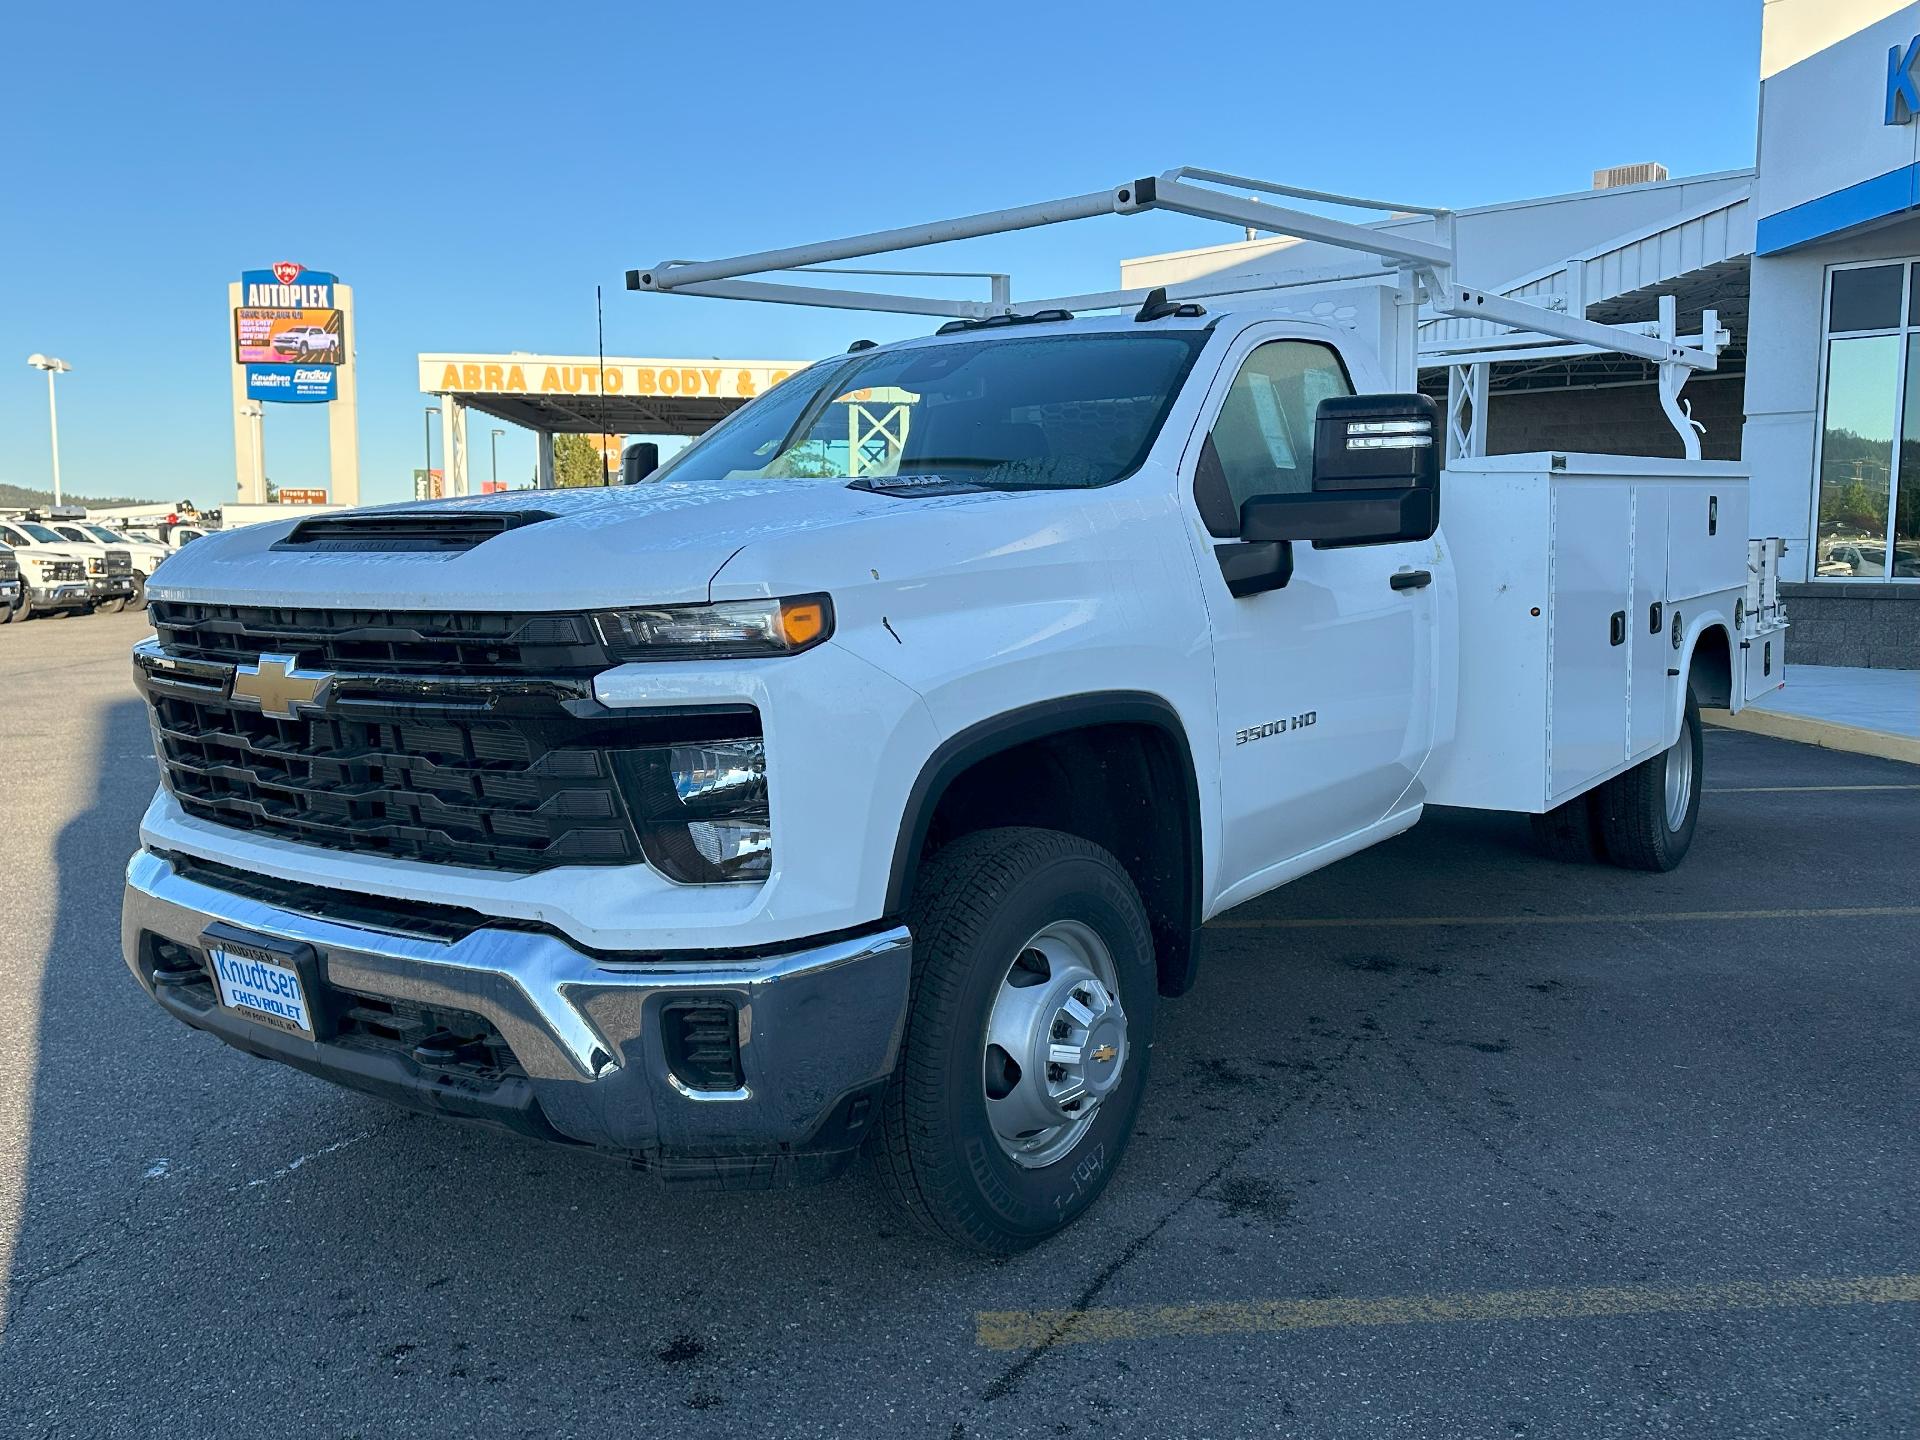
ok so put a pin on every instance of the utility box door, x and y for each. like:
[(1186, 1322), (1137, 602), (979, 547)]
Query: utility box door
[(1591, 631), (1649, 621)]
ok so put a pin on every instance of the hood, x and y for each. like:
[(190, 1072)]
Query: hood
[(552, 549)]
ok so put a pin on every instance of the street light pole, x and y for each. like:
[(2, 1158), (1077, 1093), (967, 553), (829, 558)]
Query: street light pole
[(426, 476), (53, 367), (495, 440)]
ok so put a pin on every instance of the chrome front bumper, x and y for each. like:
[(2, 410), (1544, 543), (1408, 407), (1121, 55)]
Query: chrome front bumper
[(818, 1028)]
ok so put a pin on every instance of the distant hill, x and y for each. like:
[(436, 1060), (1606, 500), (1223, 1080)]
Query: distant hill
[(18, 497)]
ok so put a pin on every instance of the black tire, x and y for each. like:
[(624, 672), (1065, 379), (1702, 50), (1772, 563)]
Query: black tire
[(1570, 832), (110, 607), (976, 905), (11, 613), (1634, 812), (138, 600)]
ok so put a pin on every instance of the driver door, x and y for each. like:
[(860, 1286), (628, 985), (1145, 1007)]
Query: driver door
[(1324, 684)]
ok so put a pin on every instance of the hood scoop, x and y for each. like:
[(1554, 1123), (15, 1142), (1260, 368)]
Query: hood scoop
[(421, 532)]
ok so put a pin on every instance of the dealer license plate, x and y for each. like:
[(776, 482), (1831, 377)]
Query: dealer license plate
[(255, 984)]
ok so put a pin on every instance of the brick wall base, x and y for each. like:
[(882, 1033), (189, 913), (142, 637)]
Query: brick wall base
[(1847, 623)]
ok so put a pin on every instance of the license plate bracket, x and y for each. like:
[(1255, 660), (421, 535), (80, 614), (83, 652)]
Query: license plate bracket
[(249, 980)]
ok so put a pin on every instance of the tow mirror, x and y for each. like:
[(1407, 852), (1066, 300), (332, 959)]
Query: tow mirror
[(1376, 477), (638, 461)]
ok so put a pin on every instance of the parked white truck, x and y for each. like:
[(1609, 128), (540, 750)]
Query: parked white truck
[(866, 785)]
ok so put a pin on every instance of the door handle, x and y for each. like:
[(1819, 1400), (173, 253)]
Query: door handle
[(1410, 579)]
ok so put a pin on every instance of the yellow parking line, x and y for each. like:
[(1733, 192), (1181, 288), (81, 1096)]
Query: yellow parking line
[(1796, 789), (1025, 1329), (1644, 917)]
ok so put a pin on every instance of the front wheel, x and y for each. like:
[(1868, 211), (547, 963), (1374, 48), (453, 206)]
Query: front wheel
[(1028, 1033), (1649, 813)]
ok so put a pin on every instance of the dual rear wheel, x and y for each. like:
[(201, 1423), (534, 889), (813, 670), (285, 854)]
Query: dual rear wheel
[(1643, 819)]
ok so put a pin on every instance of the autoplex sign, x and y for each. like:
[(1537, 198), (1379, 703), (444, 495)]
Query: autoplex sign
[(573, 375), (289, 334)]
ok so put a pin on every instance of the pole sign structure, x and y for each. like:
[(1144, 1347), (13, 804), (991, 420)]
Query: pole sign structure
[(292, 346)]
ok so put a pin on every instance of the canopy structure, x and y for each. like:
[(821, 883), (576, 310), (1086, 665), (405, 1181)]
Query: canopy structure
[(585, 395)]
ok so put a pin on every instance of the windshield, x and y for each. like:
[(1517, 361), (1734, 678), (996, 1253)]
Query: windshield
[(42, 534), (101, 532), (1043, 411)]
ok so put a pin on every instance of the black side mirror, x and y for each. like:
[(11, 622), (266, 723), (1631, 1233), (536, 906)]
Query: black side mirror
[(1376, 477), (638, 461)]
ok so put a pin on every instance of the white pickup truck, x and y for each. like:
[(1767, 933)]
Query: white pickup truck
[(847, 786)]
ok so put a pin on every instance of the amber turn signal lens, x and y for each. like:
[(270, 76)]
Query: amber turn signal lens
[(802, 621)]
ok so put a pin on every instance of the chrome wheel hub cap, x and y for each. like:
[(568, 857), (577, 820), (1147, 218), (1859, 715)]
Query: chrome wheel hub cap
[(1679, 779), (1056, 1043)]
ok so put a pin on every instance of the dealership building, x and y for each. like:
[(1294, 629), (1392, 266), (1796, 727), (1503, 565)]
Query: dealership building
[(1811, 260)]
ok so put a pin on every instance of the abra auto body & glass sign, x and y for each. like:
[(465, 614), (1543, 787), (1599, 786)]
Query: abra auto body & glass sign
[(582, 375), (289, 334)]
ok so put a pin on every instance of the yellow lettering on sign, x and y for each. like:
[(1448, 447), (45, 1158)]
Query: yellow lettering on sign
[(711, 379), (646, 382), (450, 378), (616, 380), (492, 373), (516, 378), (550, 381), (778, 376), (743, 383), (470, 375)]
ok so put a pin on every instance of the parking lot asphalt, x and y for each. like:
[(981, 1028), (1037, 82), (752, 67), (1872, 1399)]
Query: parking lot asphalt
[(1449, 1141)]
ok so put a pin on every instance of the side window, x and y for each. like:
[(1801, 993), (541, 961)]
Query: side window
[(1263, 436), (11, 537)]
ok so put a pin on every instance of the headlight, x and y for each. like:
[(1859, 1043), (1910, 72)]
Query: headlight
[(732, 629), (96, 566), (702, 809)]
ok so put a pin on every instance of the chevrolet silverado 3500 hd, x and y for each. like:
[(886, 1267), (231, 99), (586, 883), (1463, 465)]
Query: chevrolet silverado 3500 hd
[(863, 778)]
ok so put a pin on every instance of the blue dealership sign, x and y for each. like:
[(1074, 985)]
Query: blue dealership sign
[(312, 383), (1903, 96)]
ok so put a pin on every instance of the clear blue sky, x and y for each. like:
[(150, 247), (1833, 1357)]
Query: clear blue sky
[(474, 170)]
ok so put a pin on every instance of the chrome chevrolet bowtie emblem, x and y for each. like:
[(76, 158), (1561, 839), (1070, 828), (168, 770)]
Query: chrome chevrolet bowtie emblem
[(280, 687), (1105, 1053)]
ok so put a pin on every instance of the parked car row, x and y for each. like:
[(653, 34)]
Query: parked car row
[(61, 563)]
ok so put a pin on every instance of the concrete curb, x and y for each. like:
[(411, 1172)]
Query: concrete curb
[(1827, 734)]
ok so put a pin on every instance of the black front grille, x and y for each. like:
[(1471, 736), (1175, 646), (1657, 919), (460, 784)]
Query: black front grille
[(65, 570), (119, 562), (383, 641), (456, 739), (514, 792), (9, 567)]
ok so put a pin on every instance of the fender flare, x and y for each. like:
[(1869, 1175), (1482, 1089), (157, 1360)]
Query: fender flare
[(1696, 627), (1175, 937)]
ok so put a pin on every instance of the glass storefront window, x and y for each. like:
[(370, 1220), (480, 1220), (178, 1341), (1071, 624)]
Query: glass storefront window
[(1856, 456), (1868, 508), (1866, 297), (1906, 510)]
